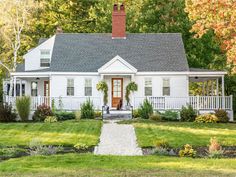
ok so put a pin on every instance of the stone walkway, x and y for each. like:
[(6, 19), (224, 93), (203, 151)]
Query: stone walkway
[(117, 139)]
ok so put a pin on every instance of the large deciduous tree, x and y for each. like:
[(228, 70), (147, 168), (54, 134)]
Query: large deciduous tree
[(14, 17), (216, 15)]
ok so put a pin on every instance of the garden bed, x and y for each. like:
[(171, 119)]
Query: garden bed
[(21, 151), (202, 152)]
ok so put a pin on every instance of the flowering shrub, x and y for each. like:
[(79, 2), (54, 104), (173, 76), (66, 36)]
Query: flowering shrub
[(187, 114), (80, 146), (215, 149), (42, 112), (188, 151), (207, 118), (6, 113), (50, 119), (222, 115), (136, 113), (155, 116), (162, 143)]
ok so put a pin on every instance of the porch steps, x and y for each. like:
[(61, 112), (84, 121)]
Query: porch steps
[(117, 114)]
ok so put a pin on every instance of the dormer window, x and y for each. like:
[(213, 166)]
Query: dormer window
[(45, 58)]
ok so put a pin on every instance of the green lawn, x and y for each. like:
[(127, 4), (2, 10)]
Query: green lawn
[(181, 133), (91, 165), (59, 133)]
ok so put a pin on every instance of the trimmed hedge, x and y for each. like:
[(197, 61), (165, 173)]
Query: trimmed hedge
[(62, 115)]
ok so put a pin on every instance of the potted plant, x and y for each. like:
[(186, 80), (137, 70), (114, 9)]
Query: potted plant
[(131, 87), (103, 87)]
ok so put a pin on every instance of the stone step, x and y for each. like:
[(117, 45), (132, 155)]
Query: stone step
[(118, 114)]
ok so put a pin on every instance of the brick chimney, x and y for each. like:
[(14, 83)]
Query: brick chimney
[(119, 22)]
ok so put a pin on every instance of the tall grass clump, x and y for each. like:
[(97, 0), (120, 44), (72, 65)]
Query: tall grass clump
[(87, 110), (23, 107), (145, 110)]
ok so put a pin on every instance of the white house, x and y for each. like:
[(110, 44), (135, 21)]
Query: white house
[(66, 68)]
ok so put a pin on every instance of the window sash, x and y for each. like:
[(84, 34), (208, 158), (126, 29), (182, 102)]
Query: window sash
[(45, 62), (88, 87), (148, 91), (88, 91), (70, 82), (70, 91), (70, 87), (148, 82), (45, 58), (166, 83), (166, 91), (166, 87), (45, 52), (34, 89), (148, 87), (88, 83)]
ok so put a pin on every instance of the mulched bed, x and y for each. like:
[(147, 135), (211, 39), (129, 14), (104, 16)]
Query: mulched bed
[(229, 151), (25, 151)]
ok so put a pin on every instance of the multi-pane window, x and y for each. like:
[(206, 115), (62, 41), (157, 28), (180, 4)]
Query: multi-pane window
[(148, 87), (45, 58), (34, 88), (166, 87), (70, 87), (88, 87), (17, 89)]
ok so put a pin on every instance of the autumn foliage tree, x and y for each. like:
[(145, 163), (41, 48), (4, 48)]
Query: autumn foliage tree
[(216, 15)]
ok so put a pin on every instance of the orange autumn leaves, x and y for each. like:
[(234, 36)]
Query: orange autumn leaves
[(216, 15)]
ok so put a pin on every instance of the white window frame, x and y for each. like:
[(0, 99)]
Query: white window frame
[(163, 87), (90, 79), (34, 89), (71, 87), (45, 58), (145, 79)]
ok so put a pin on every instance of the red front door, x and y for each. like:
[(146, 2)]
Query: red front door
[(46, 88)]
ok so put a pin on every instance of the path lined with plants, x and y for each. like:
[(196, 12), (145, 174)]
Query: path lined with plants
[(117, 139)]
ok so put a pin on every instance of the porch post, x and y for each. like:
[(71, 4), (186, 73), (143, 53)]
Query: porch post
[(223, 92), (217, 86), (133, 101), (207, 88), (212, 87), (14, 86), (203, 88), (223, 86), (20, 87), (102, 104)]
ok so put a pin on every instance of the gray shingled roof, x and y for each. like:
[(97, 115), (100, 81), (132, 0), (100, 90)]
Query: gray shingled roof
[(42, 40), (21, 68), (146, 52), (202, 70)]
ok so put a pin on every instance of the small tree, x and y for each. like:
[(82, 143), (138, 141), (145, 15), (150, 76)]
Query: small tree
[(131, 87), (103, 87)]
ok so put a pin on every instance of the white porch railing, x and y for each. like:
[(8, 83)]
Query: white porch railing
[(64, 103), (197, 102), (159, 103)]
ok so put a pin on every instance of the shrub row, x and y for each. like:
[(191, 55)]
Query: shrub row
[(186, 114), (44, 112)]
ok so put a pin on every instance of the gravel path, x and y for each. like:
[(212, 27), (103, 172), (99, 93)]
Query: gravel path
[(117, 139)]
